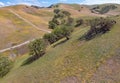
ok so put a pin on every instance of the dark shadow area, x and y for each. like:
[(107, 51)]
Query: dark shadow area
[(61, 42), (89, 37), (98, 29), (32, 59)]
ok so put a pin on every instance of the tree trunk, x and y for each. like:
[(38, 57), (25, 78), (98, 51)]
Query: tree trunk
[(67, 38)]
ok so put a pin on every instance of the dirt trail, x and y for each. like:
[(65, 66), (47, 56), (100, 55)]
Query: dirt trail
[(13, 47), (29, 22), (26, 42)]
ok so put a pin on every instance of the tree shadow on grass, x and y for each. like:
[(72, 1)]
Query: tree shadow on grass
[(61, 42), (88, 37), (31, 59)]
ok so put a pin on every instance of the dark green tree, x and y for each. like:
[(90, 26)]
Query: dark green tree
[(51, 38), (66, 31), (37, 47), (5, 65), (56, 11), (58, 32)]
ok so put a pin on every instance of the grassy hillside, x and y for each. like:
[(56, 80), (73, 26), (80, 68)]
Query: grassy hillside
[(73, 61), (14, 30)]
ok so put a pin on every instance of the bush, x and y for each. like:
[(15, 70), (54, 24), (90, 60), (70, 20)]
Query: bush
[(5, 65), (99, 26)]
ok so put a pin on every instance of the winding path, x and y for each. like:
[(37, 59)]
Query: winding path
[(26, 42), (30, 23)]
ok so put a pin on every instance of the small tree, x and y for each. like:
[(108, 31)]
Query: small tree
[(37, 47), (5, 65)]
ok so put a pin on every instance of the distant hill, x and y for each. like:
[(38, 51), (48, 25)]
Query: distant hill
[(108, 9)]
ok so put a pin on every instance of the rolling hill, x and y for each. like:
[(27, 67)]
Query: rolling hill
[(16, 29), (72, 61), (20, 23)]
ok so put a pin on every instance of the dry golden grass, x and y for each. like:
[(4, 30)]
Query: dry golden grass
[(14, 30)]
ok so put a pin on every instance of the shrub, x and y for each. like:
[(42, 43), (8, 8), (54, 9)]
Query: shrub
[(5, 65)]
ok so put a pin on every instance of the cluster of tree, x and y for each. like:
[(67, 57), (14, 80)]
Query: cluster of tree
[(37, 47), (61, 17), (58, 33), (99, 26), (5, 65), (61, 25)]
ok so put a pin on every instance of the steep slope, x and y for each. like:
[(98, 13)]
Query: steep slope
[(73, 61), (18, 25)]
